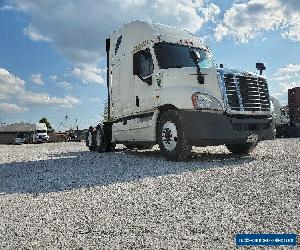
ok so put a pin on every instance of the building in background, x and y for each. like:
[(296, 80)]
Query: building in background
[(9, 132)]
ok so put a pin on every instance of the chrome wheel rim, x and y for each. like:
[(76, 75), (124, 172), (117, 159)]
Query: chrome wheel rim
[(169, 136)]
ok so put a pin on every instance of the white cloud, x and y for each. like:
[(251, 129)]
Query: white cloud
[(34, 34), (61, 83), (11, 108), (7, 7), (37, 78), (10, 85), (65, 85), (54, 77), (44, 99), (244, 21), (210, 12), (78, 28), (89, 74), (290, 69), (291, 72), (285, 86), (286, 78)]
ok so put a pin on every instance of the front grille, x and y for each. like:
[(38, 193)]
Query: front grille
[(247, 93)]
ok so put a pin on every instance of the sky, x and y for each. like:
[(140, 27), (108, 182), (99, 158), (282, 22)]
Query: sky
[(52, 52)]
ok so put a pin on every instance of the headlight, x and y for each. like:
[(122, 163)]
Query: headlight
[(204, 101)]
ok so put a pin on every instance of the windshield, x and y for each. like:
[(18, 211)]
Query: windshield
[(41, 131), (171, 55)]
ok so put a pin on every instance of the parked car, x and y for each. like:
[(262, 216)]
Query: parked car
[(20, 139)]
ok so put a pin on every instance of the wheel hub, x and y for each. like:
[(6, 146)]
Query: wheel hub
[(169, 136)]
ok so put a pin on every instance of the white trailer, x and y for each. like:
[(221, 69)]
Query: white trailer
[(165, 88)]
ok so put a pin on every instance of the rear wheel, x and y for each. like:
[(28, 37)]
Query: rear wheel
[(103, 139), (242, 148), (100, 140), (170, 136)]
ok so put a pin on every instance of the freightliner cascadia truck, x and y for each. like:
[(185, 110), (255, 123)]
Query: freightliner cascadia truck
[(165, 88)]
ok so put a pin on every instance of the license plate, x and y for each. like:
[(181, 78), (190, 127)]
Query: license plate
[(252, 138)]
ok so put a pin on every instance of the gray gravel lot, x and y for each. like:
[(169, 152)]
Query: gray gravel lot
[(62, 196)]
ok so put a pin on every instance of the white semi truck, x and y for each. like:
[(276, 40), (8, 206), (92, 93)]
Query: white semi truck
[(165, 88), (281, 118), (40, 133)]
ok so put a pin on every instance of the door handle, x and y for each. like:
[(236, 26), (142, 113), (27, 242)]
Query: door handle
[(137, 101)]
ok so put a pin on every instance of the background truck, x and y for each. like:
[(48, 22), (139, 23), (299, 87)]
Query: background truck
[(294, 111), (287, 118), (280, 118), (165, 88), (40, 133)]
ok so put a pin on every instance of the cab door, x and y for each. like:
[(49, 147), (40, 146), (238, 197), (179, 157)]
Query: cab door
[(143, 125), (144, 79)]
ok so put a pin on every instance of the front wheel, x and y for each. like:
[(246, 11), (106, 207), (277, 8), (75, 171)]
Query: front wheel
[(171, 137), (242, 148)]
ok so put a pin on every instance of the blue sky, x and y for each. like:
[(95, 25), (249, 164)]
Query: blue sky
[(51, 52)]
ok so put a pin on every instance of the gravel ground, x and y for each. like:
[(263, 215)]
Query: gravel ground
[(61, 196)]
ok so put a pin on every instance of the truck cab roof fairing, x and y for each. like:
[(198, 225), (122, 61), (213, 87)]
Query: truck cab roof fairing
[(137, 33)]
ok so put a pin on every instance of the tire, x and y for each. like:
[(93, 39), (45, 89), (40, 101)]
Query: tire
[(103, 140), (171, 138), (110, 147), (90, 143), (240, 149), (100, 140)]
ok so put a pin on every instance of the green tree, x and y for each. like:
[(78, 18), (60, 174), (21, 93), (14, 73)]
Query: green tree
[(45, 120)]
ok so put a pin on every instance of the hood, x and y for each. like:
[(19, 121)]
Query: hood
[(187, 77), (183, 83)]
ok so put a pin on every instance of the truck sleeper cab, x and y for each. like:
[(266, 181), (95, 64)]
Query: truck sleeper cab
[(164, 88), (40, 133)]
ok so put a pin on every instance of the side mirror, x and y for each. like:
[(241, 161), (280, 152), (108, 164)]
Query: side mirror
[(261, 67), (195, 55)]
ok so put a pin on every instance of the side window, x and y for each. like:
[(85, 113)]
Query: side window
[(143, 63), (118, 44)]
